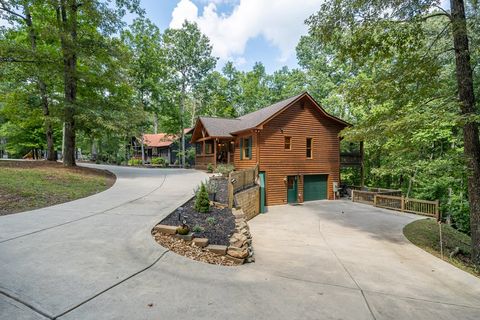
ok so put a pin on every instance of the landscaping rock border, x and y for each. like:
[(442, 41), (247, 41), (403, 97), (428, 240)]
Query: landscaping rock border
[(241, 241), (239, 250)]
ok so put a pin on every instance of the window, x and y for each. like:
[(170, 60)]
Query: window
[(288, 143), (246, 148), (208, 147), (309, 148), (199, 147)]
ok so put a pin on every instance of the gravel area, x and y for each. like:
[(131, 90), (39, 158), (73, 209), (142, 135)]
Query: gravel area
[(217, 225), (189, 250)]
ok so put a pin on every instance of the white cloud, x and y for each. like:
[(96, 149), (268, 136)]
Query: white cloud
[(280, 22)]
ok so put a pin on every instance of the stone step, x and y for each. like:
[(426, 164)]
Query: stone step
[(166, 229), (218, 249)]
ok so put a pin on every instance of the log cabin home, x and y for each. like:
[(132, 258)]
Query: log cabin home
[(295, 143), (159, 145)]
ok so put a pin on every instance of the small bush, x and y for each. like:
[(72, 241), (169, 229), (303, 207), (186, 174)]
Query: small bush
[(211, 186), (198, 228), (211, 220), (210, 167), (225, 169), (135, 162), (159, 161), (459, 210), (202, 203), (183, 230)]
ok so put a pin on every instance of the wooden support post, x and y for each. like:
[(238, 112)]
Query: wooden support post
[(353, 195), (437, 210), (374, 200), (215, 141), (403, 204), (362, 169), (230, 191)]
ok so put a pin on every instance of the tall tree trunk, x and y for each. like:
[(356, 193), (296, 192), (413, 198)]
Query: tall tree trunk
[(67, 17), (42, 88), (155, 122), (471, 140)]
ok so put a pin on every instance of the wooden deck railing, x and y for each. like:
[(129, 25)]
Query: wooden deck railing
[(363, 196), (240, 180), (366, 194), (399, 203)]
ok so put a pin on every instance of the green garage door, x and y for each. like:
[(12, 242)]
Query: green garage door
[(315, 187)]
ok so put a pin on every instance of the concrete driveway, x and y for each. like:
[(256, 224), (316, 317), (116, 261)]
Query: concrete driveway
[(95, 259)]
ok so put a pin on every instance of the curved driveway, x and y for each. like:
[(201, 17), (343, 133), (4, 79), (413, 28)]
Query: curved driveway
[(94, 258)]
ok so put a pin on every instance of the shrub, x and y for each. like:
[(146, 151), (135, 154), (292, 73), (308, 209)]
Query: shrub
[(211, 220), (225, 169), (135, 162), (183, 230), (159, 161), (202, 203), (211, 186), (198, 228), (210, 167), (459, 210)]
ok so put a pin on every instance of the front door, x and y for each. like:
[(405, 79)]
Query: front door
[(262, 192), (292, 189)]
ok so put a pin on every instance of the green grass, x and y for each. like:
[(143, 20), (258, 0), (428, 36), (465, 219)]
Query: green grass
[(30, 185), (425, 234)]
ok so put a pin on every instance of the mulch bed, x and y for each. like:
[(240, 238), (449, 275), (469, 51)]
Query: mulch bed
[(218, 232), (187, 249)]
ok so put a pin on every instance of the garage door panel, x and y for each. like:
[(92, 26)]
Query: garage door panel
[(315, 187)]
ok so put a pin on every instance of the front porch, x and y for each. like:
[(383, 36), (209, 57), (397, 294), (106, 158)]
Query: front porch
[(213, 151)]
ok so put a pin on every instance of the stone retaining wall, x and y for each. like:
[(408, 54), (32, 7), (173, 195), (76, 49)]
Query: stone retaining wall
[(240, 249), (249, 201)]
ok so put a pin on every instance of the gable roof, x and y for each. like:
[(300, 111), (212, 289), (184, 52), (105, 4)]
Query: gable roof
[(219, 127), (158, 140), (227, 127)]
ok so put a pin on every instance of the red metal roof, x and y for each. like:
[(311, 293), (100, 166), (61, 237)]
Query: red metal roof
[(159, 140)]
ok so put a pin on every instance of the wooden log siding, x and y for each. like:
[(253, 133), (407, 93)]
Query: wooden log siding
[(246, 163), (298, 123)]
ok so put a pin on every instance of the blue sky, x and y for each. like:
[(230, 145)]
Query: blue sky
[(242, 31)]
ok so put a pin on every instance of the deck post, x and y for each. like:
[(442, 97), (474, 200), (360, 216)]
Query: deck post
[(362, 169), (353, 195), (403, 204), (230, 191), (374, 200), (437, 210)]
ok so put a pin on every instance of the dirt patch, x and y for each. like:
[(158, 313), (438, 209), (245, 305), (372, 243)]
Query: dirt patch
[(187, 249), (217, 225)]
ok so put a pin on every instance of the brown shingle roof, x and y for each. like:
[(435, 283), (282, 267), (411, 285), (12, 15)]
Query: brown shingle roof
[(219, 127), (225, 127)]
